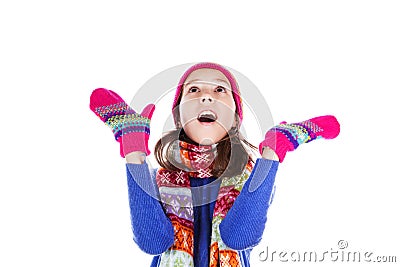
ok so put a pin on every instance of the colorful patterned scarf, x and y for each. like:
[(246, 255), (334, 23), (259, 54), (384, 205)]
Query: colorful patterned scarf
[(176, 197)]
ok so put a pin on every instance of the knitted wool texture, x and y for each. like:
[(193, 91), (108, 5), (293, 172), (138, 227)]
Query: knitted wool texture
[(130, 128), (287, 137), (176, 198)]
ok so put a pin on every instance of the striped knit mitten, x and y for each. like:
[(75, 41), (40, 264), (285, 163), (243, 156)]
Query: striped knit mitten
[(287, 137), (131, 129)]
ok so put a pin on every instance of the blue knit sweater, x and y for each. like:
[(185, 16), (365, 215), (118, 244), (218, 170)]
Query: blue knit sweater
[(241, 229)]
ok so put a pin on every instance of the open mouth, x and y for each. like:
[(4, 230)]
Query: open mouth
[(207, 116)]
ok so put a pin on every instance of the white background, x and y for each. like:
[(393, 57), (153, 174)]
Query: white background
[(63, 195)]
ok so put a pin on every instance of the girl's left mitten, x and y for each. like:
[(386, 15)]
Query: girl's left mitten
[(130, 129), (287, 137)]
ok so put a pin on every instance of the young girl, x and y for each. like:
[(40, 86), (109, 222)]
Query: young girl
[(200, 208)]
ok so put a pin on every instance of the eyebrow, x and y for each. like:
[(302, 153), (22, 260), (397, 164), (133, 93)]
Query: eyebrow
[(197, 80)]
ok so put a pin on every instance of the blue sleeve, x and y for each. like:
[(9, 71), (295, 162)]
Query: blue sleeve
[(152, 230), (244, 224)]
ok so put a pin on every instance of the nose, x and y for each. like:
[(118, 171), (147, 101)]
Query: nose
[(206, 99)]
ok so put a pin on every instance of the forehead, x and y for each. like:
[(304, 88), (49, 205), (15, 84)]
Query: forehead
[(208, 75)]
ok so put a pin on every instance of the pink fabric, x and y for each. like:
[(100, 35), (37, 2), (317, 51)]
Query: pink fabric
[(329, 124), (228, 75), (324, 126), (134, 142), (129, 142), (103, 97), (278, 143)]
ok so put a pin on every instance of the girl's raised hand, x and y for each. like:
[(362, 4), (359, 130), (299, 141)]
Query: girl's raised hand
[(287, 137), (130, 129)]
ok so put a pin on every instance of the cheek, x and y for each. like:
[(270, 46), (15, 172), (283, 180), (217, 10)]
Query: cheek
[(231, 103), (188, 111), (227, 120), (226, 114)]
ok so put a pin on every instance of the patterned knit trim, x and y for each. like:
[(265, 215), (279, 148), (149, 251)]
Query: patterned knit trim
[(176, 258), (108, 111), (122, 119), (225, 200), (172, 179), (229, 258), (299, 133), (197, 148), (183, 238), (179, 205), (214, 255), (198, 159), (180, 220)]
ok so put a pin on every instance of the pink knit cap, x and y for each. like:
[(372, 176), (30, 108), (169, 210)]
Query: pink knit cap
[(228, 75)]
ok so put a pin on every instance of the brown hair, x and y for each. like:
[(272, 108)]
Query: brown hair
[(233, 151)]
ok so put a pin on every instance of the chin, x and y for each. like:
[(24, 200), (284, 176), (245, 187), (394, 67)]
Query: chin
[(205, 134)]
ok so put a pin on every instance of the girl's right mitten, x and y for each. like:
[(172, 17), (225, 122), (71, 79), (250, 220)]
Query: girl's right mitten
[(130, 129)]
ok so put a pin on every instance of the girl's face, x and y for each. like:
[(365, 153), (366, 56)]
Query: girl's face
[(207, 107)]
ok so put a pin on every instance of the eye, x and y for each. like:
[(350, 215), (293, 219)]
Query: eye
[(220, 89), (193, 89)]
